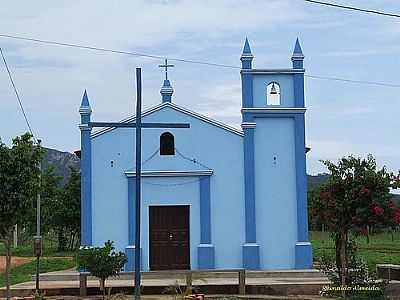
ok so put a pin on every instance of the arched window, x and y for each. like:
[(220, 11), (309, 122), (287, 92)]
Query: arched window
[(167, 144), (273, 93)]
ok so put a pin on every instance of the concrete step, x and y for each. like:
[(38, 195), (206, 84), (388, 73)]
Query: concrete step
[(181, 275)]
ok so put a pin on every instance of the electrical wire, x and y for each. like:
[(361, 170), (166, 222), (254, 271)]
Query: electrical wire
[(171, 184), (151, 156), (354, 8), (193, 160), (354, 81), (115, 51), (17, 94), (137, 54)]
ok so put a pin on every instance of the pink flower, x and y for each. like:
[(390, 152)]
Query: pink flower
[(378, 211), (396, 217), (364, 191)]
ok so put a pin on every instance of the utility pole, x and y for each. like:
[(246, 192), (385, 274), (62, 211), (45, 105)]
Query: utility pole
[(37, 240), (138, 177)]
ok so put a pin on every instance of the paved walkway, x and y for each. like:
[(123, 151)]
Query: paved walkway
[(171, 282)]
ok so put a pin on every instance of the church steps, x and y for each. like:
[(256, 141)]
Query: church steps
[(180, 275)]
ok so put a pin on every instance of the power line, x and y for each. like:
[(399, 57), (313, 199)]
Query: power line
[(16, 94), (114, 51), (137, 54), (354, 81), (354, 8)]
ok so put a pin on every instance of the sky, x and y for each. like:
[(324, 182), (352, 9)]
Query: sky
[(342, 118)]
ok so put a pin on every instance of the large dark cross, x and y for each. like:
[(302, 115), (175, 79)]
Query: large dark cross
[(139, 125), (166, 66)]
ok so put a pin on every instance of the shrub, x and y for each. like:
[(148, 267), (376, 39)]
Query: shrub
[(101, 262)]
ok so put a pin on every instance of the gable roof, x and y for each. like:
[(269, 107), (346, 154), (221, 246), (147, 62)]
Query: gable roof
[(177, 108)]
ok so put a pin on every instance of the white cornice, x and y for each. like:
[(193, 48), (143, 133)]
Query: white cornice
[(249, 125), (275, 110), (84, 127), (273, 71), (171, 173)]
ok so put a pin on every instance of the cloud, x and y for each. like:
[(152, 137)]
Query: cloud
[(223, 102), (325, 149), (51, 79)]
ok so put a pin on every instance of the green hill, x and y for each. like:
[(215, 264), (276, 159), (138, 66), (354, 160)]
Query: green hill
[(62, 161)]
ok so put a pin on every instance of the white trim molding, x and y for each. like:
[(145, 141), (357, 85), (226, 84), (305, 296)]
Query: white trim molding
[(171, 173), (303, 244), (249, 125), (274, 110), (84, 127), (273, 71), (85, 110)]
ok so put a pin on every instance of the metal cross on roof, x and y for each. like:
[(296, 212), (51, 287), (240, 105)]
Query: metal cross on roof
[(139, 125), (166, 66)]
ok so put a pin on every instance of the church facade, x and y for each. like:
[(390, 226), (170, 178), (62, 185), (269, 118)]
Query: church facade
[(213, 196)]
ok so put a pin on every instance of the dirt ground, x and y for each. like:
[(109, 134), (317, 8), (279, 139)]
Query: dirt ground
[(15, 261)]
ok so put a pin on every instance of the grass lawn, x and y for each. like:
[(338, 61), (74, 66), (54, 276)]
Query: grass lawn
[(47, 264), (27, 251), (380, 250)]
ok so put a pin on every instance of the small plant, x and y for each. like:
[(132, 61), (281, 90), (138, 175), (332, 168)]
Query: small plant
[(118, 296), (39, 296), (102, 262), (178, 291), (361, 283)]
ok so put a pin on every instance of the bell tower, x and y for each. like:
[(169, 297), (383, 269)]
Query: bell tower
[(273, 122)]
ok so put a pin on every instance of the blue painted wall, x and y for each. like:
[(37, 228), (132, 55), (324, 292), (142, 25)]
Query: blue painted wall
[(275, 184), (212, 146), (277, 231), (260, 82)]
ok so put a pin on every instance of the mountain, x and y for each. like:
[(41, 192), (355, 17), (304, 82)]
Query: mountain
[(61, 161), (313, 181)]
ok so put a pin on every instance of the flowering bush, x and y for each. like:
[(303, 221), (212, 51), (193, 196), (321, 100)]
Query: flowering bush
[(357, 195)]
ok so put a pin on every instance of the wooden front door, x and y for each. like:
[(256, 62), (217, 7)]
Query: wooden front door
[(169, 237)]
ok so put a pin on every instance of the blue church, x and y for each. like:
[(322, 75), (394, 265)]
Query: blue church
[(213, 196)]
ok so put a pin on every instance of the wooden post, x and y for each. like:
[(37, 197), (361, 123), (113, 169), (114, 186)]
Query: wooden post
[(16, 236), (189, 281), (242, 282), (83, 284)]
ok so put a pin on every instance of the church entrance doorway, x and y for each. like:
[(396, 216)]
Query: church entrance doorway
[(169, 237)]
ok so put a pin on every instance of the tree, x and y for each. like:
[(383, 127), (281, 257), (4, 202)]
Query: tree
[(60, 208), (65, 212), (69, 210), (19, 181), (50, 192), (356, 195), (102, 262)]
